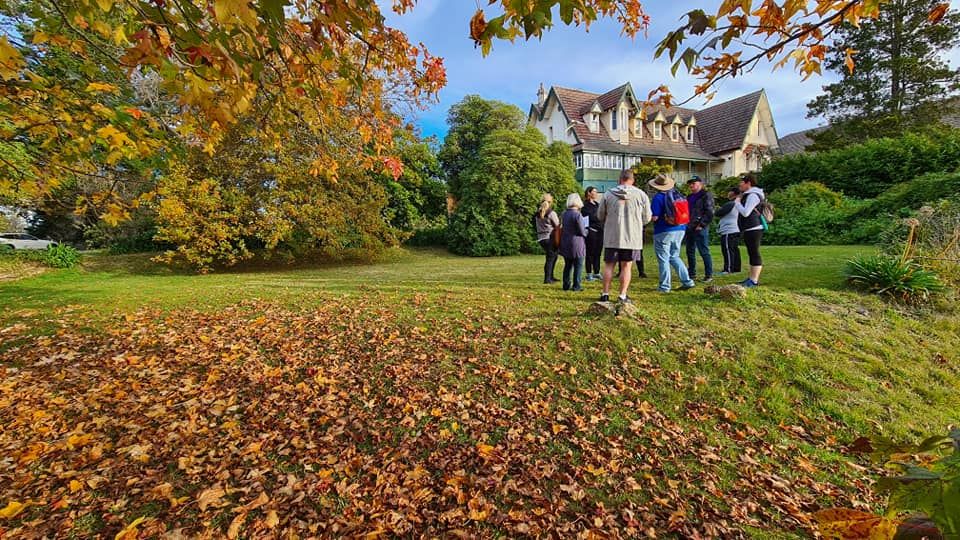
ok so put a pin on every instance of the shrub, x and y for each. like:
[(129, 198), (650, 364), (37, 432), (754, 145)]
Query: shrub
[(868, 169), (800, 195), (135, 235), (434, 235), (901, 279), (811, 213), (61, 256), (924, 189), (721, 187)]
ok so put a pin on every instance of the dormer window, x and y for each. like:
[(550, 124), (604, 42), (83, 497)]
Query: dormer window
[(674, 132), (689, 134), (595, 123), (638, 127), (658, 130), (613, 118)]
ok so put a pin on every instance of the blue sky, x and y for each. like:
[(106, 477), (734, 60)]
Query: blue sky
[(596, 61)]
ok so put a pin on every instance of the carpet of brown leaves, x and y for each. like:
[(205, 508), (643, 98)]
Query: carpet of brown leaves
[(345, 420)]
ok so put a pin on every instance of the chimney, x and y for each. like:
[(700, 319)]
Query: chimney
[(541, 95)]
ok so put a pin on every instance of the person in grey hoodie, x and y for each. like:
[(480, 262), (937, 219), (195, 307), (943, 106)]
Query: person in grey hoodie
[(747, 207), (623, 210), (729, 234)]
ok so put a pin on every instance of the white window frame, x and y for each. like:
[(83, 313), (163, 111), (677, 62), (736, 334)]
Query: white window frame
[(658, 130), (674, 132), (689, 134), (613, 120), (638, 127)]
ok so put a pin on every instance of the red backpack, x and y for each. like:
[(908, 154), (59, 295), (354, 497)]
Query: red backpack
[(676, 211)]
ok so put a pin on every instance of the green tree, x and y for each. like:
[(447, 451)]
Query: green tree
[(470, 121), (648, 169), (417, 198), (499, 191), (900, 79)]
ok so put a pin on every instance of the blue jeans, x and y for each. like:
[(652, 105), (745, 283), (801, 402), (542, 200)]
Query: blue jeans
[(699, 241), (574, 264), (667, 247)]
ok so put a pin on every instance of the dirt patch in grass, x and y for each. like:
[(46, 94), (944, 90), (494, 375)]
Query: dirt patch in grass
[(12, 270)]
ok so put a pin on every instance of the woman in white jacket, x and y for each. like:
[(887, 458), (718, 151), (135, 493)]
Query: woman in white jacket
[(747, 207)]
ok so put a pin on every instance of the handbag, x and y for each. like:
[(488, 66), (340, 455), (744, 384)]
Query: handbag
[(555, 236)]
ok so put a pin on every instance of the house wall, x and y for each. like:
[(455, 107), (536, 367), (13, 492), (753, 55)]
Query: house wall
[(555, 119)]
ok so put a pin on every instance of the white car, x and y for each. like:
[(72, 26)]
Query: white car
[(23, 241)]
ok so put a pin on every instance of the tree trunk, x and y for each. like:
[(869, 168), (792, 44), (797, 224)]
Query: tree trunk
[(896, 53)]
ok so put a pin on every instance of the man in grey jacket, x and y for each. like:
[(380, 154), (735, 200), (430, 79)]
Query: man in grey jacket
[(623, 210)]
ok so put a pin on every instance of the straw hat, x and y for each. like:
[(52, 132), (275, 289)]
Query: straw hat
[(662, 183)]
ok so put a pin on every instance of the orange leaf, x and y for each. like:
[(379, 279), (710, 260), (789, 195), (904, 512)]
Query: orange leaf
[(937, 13), (846, 524), (849, 60)]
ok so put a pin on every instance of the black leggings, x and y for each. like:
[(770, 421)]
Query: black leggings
[(730, 247), (752, 239), (551, 261), (594, 248)]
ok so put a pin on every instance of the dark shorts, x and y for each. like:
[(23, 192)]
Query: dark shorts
[(622, 255)]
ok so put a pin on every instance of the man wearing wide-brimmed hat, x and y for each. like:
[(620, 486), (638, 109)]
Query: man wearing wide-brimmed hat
[(667, 237), (623, 210)]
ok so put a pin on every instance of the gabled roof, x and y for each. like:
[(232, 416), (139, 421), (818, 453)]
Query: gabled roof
[(797, 142), (719, 128), (613, 97), (724, 126)]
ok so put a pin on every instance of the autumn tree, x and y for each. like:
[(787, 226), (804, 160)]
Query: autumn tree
[(901, 77), (332, 68), (217, 210)]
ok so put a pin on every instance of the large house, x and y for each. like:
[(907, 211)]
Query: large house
[(612, 131)]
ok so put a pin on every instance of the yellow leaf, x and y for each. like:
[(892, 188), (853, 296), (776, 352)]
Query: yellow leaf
[(105, 5), (485, 450), (12, 509), (102, 87), (272, 519), (130, 531), (75, 486), (10, 60), (846, 523), (119, 36), (101, 28), (76, 441)]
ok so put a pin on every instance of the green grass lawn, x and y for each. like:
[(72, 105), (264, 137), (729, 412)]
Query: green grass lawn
[(516, 411)]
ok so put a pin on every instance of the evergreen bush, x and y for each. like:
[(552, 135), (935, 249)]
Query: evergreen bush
[(867, 170)]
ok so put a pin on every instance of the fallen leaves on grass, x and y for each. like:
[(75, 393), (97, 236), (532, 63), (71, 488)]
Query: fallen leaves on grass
[(347, 420)]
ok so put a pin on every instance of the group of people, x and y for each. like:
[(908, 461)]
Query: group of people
[(614, 225)]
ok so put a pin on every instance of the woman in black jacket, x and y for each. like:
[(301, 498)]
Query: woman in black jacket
[(594, 233)]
